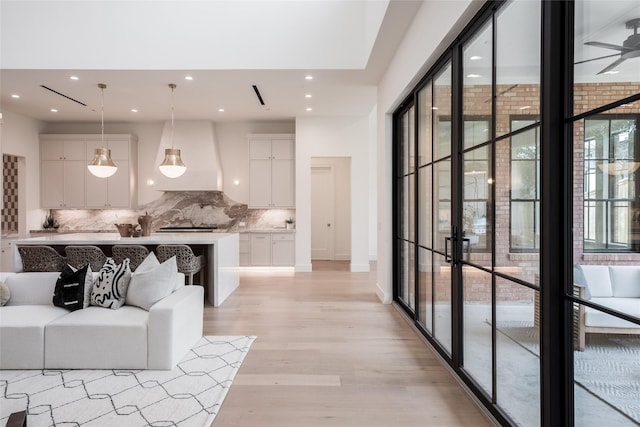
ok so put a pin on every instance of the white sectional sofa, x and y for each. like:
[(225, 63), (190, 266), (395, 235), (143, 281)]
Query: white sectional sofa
[(615, 287), (35, 334)]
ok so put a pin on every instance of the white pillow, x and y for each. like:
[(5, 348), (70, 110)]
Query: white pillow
[(151, 282)]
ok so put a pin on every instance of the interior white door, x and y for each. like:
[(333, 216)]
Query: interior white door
[(322, 212)]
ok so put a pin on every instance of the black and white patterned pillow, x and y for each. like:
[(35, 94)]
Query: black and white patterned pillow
[(110, 288), (73, 288)]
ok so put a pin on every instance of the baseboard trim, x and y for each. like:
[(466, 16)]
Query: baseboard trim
[(303, 268), (360, 268), (384, 296)]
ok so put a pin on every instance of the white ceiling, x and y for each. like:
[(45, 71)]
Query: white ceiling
[(138, 47)]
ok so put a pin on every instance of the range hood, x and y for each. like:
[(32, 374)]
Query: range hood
[(199, 151)]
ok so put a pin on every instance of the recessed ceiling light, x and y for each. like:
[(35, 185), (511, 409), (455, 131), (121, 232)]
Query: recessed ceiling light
[(53, 110), (221, 110), (473, 76), (434, 108), (611, 72), (475, 58), (15, 95), (74, 77), (308, 77), (188, 77), (308, 95), (309, 109), (134, 110), (526, 107)]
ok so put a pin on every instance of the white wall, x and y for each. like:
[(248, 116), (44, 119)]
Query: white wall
[(19, 137), (333, 137), (435, 26)]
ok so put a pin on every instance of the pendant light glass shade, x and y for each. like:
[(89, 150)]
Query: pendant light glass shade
[(102, 166), (172, 165)]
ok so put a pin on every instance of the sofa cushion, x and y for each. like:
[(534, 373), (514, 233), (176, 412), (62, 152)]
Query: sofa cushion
[(580, 279), (151, 281), (73, 288), (625, 281), (32, 288), (98, 338), (598, 280), (110, 289), (599, 319), (22, 330)]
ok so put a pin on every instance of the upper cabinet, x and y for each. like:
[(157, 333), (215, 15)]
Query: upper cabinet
[(67, 183), (271, 170)]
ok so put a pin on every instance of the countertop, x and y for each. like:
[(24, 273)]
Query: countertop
[(115, 238)]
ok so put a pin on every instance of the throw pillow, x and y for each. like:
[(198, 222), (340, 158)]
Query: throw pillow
[(88, 285), (151, 282), (71, 288), (5, 293), (580, 279), (110, 288)]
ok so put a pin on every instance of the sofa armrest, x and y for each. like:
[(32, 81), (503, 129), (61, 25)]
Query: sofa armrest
[(175, 325)]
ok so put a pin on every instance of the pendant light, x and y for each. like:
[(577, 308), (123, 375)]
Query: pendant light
[(102, 166), (172, 165)]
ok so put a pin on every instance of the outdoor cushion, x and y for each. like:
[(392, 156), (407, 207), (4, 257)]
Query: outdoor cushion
[(625, 281), (599, 319), (598, 280)]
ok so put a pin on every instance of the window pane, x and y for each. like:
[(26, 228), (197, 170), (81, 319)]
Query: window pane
[(476, 220), (601, 76), (524, 233), (517, 68), (606, 373), (442, 204), (477, 326), (517, 353), (411, 140), (425, 277), (477, 66), (442, 116), (425, 217), (523, 180), (442, 301), (425, 125)]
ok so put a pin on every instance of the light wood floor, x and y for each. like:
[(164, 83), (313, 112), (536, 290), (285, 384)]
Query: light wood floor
[(328, 353)]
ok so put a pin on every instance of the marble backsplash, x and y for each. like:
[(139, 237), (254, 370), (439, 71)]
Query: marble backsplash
[(178, 209)]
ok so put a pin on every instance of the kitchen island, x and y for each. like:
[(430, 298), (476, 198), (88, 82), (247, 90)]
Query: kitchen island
[(220, 249)]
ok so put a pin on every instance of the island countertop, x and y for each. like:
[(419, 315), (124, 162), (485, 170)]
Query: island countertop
[(188, 238)]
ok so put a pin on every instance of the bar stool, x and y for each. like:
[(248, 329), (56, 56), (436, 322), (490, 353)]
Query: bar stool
[(79, 256), (135, 253), (188, 263), (40, 258)]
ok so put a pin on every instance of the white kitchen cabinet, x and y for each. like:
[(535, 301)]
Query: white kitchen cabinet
[(245, 249), (283, 249), (271, 171), (67, 183), (62, 173), (270, 249), (6, 255), (261, 249)]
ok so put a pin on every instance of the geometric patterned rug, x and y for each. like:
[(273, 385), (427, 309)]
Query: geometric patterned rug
[(608, 368), (188, 395)]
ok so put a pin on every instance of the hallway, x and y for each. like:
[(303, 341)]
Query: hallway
[(329, 353)]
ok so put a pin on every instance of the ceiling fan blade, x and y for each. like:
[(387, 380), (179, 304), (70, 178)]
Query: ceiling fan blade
[(595, 59), (613, 65), (608, 46)]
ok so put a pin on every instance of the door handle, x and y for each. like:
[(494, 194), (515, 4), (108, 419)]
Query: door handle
[(447, 257)]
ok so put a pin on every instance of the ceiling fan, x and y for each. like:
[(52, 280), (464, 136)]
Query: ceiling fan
[(630, 47)]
